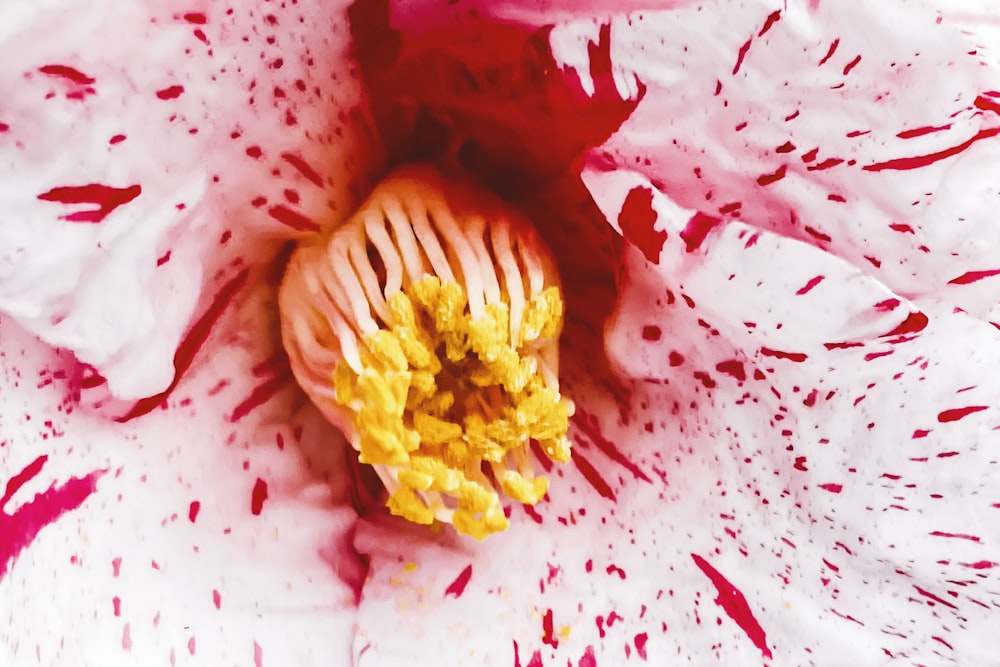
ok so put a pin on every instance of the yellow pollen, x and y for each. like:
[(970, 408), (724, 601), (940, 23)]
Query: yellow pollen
[(427, 329)]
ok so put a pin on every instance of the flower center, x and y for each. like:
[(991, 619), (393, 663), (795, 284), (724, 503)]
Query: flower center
[(426, 328)]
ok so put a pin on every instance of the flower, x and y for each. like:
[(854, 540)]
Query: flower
[(791, 463)]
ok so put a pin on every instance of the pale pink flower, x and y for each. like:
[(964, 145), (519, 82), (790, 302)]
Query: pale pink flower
[(792, 462)]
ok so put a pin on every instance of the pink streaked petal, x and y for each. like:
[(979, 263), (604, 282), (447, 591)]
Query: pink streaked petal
[(174, 551), (137, 168), (867, 131)]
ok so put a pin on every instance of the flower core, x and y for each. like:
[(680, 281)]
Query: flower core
[(426, 328)]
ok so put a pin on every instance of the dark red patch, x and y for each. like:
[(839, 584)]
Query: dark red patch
[(829, 54), (637, 218), (192, 342), (810, 285), (193, 510), (303, 168), (832, 488), (797, 357), (920, 161), (986, 104), (293, 219), (901, 228), (825, 164), (170, 93), (640, 644), (930, 596), (652, 333), (697, 229), (768, 179), (816, 234), (772, 18), (68, 73), (258, 496), (956, 536), (955, 414), (973, 276), (590, 473), (733, 368), (19, 530), (548, 634), (851, 65), (457, 587), (197, 18), (676, 359), (260, 395), (742, 55), (921, 131), (920, 433), (786, 147), (588, 425), (106, 198), (735, 605)]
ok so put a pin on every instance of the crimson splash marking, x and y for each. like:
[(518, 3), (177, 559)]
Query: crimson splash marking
[(303, 168), (742, 55), (189, 347), (258, 496), (697, 229), (810, 285), (917, 162), (590, 473), (772, 18), (588, 424), (68, 73), (536, 658), (457, 587), (829, 54), (170, 93), (106, 198), (260, 395), (973, 276), (19, 530), (955, 414), (921, 131), (293, 219), (636, 218), (735, 605), (797, 357)]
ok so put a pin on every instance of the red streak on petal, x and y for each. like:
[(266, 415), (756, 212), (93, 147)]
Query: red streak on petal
[(851, 65), (65, 72), (696, 230), (830, 52), (733, 368), (931, 596), (533, 513), (955, 414), (303, 168), (956, 536), (636, 220), (981, 565), (548, 636), (19, 530), (196, 18), (189, 347), (193, 510), (590, 473), (907, 163), (920, 433), (457, 587), (742, 54), (106, 198), (921, 131), (258, 496), (810, 285), (588, 424), (768, 179), (901, 228), (772, 18), (797, 357), (170, 93), (973, 276), (735, 605), (825, 164), (832, 488), (640, 644), (786, 147), (259, 396), (914, 323), (986, 104), (818, 235), (293, 219)]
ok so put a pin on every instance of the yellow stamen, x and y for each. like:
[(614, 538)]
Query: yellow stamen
[(447, 378)]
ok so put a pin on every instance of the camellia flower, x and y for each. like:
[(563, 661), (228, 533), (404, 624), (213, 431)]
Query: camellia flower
[(763, 230)]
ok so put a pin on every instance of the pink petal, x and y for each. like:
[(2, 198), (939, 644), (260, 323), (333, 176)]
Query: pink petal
[(138, 166)]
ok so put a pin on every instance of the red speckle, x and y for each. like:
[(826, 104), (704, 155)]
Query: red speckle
[(195, 338), (735, 605), (196, 18), (830, 52), (768, 179), (696, 230), (255, 152), (676, 359), (742, 54), (797, 357), (832, 488), (636, 220), (981, 565), (920, 433), (640, 644), (258, 496), (548, 636), (851, 65), (816, 234), (293, 219), (170, 93), (4, 127), (772, 18), (590, 473), (956, 536), (260, 395), (907, 163), (217, 599), (303, 168), (955, 414), (106, 198), (651, 332), (117, 139), (705, 379), (786, 147), (800, 464), (19, 530), (921, 131), (116, 603), (809, 285), (457, 587), (973, 276), (901, 228), (732, 367), (69, 73), (193, 510)]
